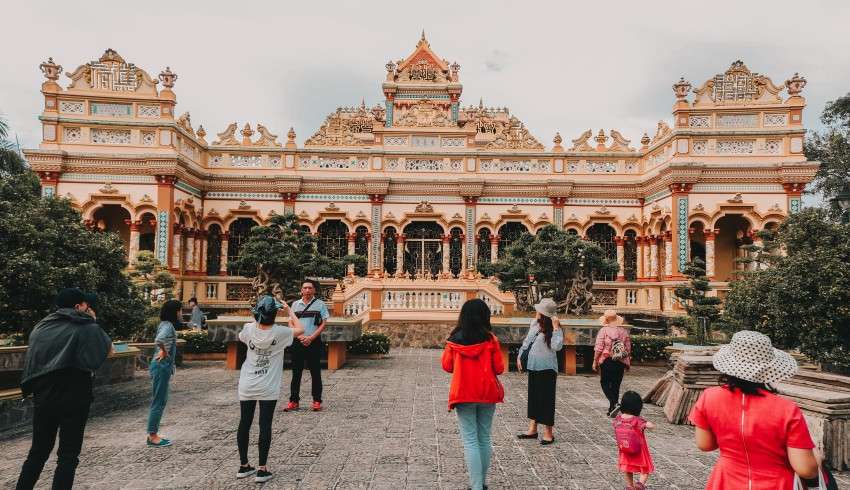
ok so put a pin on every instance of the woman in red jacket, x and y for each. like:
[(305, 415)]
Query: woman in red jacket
[(474, 358)]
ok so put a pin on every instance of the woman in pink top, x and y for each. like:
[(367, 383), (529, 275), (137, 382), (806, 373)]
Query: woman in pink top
[(612, 356), (763, 438)]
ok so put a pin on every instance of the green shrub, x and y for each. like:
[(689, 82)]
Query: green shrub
[(650, 347), (198, 342), (370, 343)]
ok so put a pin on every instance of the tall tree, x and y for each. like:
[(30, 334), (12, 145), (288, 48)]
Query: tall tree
[(282, 255), (554, 262), (831, 148), (801, 298)]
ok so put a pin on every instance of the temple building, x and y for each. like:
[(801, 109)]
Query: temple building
[(425, 187)]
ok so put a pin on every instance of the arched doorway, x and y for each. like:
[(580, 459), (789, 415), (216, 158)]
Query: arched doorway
[(630, 255), (508, 234), (239, 231), (602, 235), (390, 250), (423, 252), (333, 241), (733, 234), (697, 241), (112, 218), (213, 250), (147, 232)]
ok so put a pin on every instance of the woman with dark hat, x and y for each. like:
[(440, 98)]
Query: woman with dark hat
[(544, 339)]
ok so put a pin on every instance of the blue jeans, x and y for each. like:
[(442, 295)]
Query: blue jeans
[(161, 376), (475, 421)]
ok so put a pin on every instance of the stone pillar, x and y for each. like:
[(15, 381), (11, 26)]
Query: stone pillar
[(289, 202), (134, 241), (668, 255), (377, 201), (190, 251), (621, 274), (351, 239), (469, 225), (399, 254), (494, 248), (464, 265), (641, 272), (177, 238), (164, 205), (558, 210), (446, 245), (202, 252), (679, 248), (794, 193), (653, 258), (709, 253), (225, 240)]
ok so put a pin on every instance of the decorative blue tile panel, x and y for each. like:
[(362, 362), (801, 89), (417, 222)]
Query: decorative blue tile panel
[(794, 205), (389, 105), (162, 237), (682, 233), (376, 236), (455, 106), (470, 235)]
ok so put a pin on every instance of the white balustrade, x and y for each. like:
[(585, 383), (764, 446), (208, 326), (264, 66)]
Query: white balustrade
[(496, 308), (422, 300), (357, 305)]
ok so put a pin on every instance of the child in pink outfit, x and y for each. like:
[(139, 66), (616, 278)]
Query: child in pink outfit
[(640, 462)]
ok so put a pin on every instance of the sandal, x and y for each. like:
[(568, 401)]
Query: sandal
[(527, 436)]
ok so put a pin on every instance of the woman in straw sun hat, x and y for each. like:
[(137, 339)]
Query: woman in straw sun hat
[(763, 438), (612, 356), (543, 340)]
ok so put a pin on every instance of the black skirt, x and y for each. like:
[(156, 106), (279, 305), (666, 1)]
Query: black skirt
[(541, 396)]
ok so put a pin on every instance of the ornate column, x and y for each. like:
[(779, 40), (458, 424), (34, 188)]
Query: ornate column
[(640, 266), (399, 254), (190, 251), (49, 181), (469, 224), (668, 255), (177, 237), (134, 240), (679, 248), (794, 191), (446, 245), (621, 273), (202, 252), (494, 248), (653, 258), (464, 265), (164, 204), (377, 201), (351, 239), (558, 210), (225, 240), (709, 252), (289, 202)]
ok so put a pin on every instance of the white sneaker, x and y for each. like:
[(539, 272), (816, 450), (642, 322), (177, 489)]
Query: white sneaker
[(245, 471)]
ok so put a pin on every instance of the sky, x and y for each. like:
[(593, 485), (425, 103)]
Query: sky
[(558, 66)]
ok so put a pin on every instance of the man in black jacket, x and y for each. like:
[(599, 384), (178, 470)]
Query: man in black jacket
[(65, 349)]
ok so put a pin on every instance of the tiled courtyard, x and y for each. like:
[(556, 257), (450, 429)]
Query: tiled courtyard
[(385, 425)]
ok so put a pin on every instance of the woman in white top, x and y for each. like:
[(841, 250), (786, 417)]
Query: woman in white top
[(259, 380)]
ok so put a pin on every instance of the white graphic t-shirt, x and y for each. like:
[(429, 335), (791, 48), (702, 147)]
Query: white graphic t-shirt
[(263, 367)]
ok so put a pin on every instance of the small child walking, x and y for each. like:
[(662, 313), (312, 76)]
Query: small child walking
[(629, 429)]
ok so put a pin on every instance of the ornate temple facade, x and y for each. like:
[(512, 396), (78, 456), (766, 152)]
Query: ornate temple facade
[(424, 187)]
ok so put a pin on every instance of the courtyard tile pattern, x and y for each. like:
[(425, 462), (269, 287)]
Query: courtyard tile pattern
[(385, 425)]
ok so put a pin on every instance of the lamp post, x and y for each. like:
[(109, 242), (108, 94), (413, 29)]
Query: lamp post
[(843, 201)]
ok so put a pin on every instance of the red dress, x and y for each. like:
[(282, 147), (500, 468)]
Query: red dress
[(753, 434), (636, 463)]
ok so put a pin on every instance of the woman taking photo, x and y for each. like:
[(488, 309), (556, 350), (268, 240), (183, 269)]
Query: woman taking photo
[(544, 339), (612, 356), (162, 367), (259, 380), (763, 438), (474, 358)]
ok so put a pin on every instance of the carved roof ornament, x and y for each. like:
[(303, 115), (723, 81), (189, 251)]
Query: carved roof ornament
[(185, 122), (112, 73), (795, 85), (424, 207), (425, 113), (266, 137), (603, 210), (661, 132), (515, 209), (247, 132), (332, 207), (290, 135), (348, 126), (580, 143), (699, 208), (227, 137), (50, 69), (737, 198), (146, 198), (619, 143), (572, 217), (514, 136), (389, 215), (738, 85), (632, 218), (303, 214), (557, 139), (244, 205), (201, 132), (457, 216), (423, 65), (167, 77), (775, 208), (681, 89), (485, 217), (543, 217), (108, 189), (360, 214), (212, 212), (656, 207)]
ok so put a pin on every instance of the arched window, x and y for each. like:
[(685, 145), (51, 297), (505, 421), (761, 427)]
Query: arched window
[(603, 235), (697, 241), (333, 241), (456, 251), (147, 233), (361, 248), (213, 250), (733, 235), (112, 218), (239, 231), (484, 246), (630, 255), (572, 231), (423, 248), (508, 234), (390, 250)]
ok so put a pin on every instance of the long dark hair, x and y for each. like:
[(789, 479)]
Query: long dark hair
[(746, 387), (545, 324), (170, 312), (473, 323)]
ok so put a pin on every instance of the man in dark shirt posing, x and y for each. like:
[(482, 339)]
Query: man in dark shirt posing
[(65, 349)]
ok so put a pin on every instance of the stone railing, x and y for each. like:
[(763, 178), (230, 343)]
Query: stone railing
[(422, 300), (357, 305)]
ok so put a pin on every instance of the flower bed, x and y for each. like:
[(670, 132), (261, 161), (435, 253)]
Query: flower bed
[(370, 343), (648, 348), (198, 342)]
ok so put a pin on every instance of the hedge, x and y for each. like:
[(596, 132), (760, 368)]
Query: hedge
[(370, 343), (198, 342), (650, 347)]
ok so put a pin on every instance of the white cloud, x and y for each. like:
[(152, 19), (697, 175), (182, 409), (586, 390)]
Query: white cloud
[(559, 66)]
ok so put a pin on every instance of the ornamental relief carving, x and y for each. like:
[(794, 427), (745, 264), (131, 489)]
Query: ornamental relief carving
[(424, 113), (112, 73), (738, 85), (342, 127)]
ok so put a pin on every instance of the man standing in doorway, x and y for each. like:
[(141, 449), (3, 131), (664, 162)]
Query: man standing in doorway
[(308, 346)]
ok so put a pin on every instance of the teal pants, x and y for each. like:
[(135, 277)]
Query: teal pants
[(161, 377), (475, 421)]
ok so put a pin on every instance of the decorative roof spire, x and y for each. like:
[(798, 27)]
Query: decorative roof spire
[(50, 69), (795, 84), (681, 89), (422, 40), (167, 78)]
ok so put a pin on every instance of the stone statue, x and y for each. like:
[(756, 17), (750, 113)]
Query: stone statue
[(580, 298)]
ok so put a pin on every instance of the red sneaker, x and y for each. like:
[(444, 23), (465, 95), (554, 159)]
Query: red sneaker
[(291, 407), (317, 406)]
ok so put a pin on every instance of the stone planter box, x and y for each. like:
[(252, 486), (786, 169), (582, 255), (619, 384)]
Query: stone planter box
[(147, 349), (205, 356), (11, 365)]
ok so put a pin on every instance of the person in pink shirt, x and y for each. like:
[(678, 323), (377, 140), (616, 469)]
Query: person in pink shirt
[(762, 437), (612, 356)]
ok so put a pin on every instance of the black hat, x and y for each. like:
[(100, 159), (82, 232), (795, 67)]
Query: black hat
[(91, 299), (70, 297)]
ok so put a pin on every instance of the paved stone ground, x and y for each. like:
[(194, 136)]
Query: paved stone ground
[(385, 425)]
